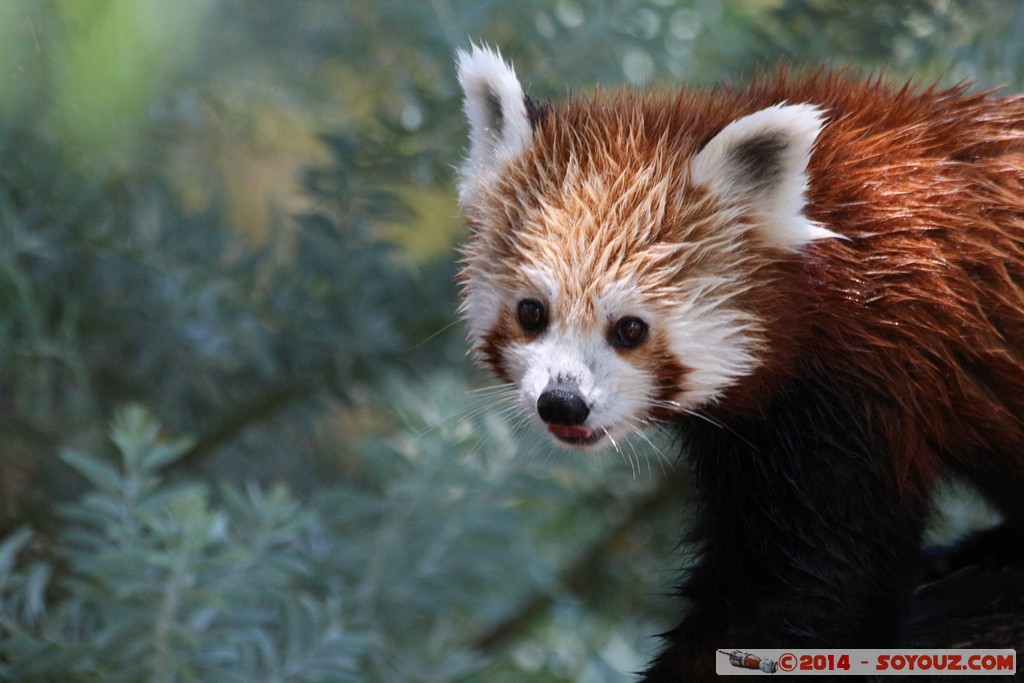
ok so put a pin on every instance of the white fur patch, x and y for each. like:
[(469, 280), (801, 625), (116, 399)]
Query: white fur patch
[(616, 393), (482, 303), (760, 161), (495, 105), (717, 342), (714, 340), (705, 332)]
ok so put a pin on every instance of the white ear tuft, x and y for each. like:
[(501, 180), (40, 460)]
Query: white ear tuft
[(760, 162), (495, 104)]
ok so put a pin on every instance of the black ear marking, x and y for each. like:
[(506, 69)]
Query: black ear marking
[(758, 160), (496, 115)]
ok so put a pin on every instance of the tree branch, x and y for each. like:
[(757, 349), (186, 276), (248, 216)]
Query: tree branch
[(256, 409), (971, 608), (576, 575)]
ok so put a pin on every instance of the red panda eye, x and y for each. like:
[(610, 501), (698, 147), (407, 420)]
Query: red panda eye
[(628, 332), (532, 316)]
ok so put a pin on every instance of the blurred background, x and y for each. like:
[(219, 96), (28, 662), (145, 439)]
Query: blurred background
[(240, 439)]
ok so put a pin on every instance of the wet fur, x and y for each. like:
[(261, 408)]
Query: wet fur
[(862, 367)]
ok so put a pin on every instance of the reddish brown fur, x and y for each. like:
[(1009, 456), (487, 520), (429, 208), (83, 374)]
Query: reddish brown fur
[(924, 302), (854, 366), (883, 356)]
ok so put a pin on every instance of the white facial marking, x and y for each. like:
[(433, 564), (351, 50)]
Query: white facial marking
[(614, 390), (713, 339), (705, 333)]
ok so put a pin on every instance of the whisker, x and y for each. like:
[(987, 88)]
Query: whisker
[(629, 458), (431, 336), (720, 425), (662, 459), (467, 412), (636, 454), (478, 445), (495, 388), (701, 416)]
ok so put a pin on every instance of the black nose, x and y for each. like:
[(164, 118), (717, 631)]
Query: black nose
[(561, 406)]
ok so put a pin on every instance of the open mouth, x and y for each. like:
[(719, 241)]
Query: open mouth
[(576, 435)]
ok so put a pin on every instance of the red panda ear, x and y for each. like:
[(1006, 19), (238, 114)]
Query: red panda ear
[(759, 162), (495, 104)]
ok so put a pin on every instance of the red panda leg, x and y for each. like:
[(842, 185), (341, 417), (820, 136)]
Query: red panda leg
[(805, 537)]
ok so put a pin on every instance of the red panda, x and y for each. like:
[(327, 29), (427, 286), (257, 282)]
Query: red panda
[(819, 279)]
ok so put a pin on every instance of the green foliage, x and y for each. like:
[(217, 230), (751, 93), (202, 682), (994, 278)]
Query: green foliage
[(155, 579), (240, 215), (159, 583)]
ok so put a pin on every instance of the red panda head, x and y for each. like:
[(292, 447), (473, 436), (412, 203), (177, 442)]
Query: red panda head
[(619, 263)]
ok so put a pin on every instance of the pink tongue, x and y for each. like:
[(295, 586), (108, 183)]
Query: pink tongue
[(569, 431)]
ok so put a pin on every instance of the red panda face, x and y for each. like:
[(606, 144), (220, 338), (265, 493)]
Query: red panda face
[(615, 265)]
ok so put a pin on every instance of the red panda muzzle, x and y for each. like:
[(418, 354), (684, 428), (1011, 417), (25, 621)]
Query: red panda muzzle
[(575, 436), (564, 412), (562, 406)]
